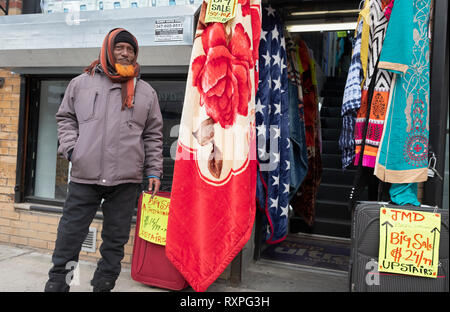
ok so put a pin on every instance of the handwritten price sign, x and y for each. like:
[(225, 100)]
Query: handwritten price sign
[(154, 217), (409, 242), (220, 10)]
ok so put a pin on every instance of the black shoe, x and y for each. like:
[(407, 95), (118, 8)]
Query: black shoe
[(103, 285), (97, 289), (56, 287)]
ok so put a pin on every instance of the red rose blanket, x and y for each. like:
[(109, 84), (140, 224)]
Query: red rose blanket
[(212, 204)]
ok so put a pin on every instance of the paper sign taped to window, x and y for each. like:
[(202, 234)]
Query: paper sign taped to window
[(154, 217), (220, 10), (409, 242), (169, 29)]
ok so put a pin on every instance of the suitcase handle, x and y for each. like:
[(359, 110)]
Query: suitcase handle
[(160, 193), (436, 208)]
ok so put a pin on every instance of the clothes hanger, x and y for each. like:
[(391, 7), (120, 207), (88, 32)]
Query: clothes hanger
[(361, 3)]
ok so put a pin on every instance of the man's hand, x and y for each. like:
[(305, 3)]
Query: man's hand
[(153, 185)]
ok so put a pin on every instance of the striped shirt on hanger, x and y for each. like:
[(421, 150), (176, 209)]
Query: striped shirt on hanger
[(351, 101)]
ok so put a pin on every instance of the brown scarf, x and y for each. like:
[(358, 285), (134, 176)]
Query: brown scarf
[(108, 65)]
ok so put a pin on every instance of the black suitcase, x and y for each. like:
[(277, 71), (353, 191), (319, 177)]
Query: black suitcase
[(363, 270)]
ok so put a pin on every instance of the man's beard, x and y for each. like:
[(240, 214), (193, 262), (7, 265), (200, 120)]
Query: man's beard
[(125, 70)]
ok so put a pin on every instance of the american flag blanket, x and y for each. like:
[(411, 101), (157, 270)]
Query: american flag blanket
[(272, 128)]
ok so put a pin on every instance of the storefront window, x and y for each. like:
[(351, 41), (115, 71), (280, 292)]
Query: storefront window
[(170, 97), (51, 169), (49, 173)]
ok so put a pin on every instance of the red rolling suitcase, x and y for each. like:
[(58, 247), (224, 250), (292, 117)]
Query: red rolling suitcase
[(149, 263)]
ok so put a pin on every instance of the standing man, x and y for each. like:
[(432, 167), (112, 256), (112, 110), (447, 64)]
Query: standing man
[(110, 128)]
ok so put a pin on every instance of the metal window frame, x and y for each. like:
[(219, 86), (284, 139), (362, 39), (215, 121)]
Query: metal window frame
[(28, 138), (31, 7), (6, 8), (28, 7)]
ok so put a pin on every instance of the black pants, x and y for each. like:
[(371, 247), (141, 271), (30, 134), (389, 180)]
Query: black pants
[(82, 203)]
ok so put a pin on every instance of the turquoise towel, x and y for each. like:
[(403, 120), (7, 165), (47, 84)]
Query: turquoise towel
[(404, 194)]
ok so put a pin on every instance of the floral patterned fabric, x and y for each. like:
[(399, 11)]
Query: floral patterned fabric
[(212, 206)]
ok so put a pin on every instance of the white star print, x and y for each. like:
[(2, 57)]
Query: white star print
[(267, 58), (275, 33), (283, 43), (261, 130), (276, 157), (284, 211), (286, 187), (270, 11), (259, 107), (274, 202), (276, 130), (277, 108), (276, 60), (264, 35), (277, 83), (276, 180), (288, 165)]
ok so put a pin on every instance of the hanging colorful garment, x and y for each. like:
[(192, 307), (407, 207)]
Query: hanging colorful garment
[(404, 194), (351, 101), (272, 128), (304, 200), (403, 156), (379, 102), (212, 206), (388, 9), (364, 16), (309, 93), (298, 151)]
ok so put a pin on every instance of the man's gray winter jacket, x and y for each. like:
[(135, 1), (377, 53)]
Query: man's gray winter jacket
[(110, 146)]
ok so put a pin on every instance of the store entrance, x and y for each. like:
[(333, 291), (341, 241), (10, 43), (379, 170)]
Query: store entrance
[(331, 52), (324, 244), (321, 241)]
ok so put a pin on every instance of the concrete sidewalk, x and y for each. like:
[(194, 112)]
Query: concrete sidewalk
[(25, 270)]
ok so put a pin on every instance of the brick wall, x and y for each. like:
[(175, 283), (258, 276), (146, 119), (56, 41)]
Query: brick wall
[(9, 117), (15, 7)]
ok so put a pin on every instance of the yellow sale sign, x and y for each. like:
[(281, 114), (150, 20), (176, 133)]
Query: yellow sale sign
[(154, 217), (409, 242), (220, 10)]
